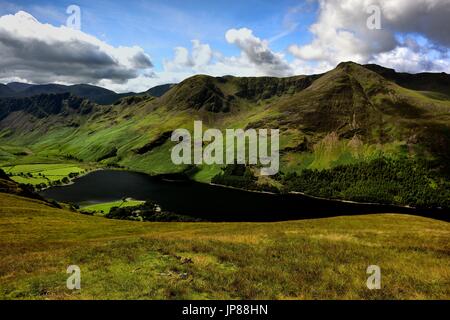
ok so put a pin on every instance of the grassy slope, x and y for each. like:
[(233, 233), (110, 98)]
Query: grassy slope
[(317, 259), (346, 99)]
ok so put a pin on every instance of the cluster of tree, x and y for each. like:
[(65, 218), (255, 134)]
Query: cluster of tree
[(73, 175), (401, 181), (40, 186), (149, 211), (4, 175), (72, 157), (242, 177), (115, 165), (22, 174), (110, 154), (43, 185)]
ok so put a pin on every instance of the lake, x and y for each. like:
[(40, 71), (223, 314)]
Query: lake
[(212, 203)]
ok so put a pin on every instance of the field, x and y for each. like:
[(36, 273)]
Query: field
[(42, 173), (309, 259), (106, 207)]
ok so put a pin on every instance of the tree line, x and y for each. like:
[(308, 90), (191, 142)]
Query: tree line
[(403, 181)]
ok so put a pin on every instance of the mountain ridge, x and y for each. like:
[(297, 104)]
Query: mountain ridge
[(96, 94), (344, 117), (424, 81)]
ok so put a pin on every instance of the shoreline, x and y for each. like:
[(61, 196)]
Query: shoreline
[(71, 180), (164, 177), (316, 197)]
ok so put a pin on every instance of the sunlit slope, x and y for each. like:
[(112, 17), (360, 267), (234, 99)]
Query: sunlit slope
[(353, 113), (311, 259)]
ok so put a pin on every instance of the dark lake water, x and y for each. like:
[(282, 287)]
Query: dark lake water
[(204, 201)]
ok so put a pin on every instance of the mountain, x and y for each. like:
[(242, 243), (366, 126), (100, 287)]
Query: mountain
[(436, 85), (355, 121), (227, 94), (5, 91), (43, 105), (19, 86), (95, 94)]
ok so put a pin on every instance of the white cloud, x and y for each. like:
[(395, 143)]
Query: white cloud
[(31, 51), (302, 67), (201, 55), (341, 33), (45, 53), (256, 59), (257, 52), (405, 59)]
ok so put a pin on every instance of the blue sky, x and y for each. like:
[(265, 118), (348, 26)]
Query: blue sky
[(135, 44), (160, 25)]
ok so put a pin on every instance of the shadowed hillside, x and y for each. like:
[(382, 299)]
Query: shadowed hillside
[(435, 85), (95, 94), (159, 91)]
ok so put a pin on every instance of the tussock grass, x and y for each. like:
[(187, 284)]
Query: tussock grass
[(310, 259)]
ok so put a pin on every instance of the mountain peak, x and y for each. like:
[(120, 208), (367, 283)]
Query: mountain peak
[(347, 64)]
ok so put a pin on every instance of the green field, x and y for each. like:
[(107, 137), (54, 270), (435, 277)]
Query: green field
[(36, 174), (309, 259), (106, 207)]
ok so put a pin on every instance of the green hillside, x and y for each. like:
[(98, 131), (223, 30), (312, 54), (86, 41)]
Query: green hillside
[(345, 117)]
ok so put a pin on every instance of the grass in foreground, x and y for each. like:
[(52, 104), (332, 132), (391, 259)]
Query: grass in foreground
[(310, 259)]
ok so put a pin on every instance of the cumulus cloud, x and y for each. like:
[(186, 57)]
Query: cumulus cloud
[(426, 17), (256, 58), (414, 37), (341, 33), (405, 59), (201, 55), (257, 52), (43, 53)]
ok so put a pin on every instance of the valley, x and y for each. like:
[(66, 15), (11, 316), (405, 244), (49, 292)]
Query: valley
[(354, 134), (349, 119), (213, 159)]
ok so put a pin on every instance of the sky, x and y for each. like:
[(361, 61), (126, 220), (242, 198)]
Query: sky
[(134, 45)]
